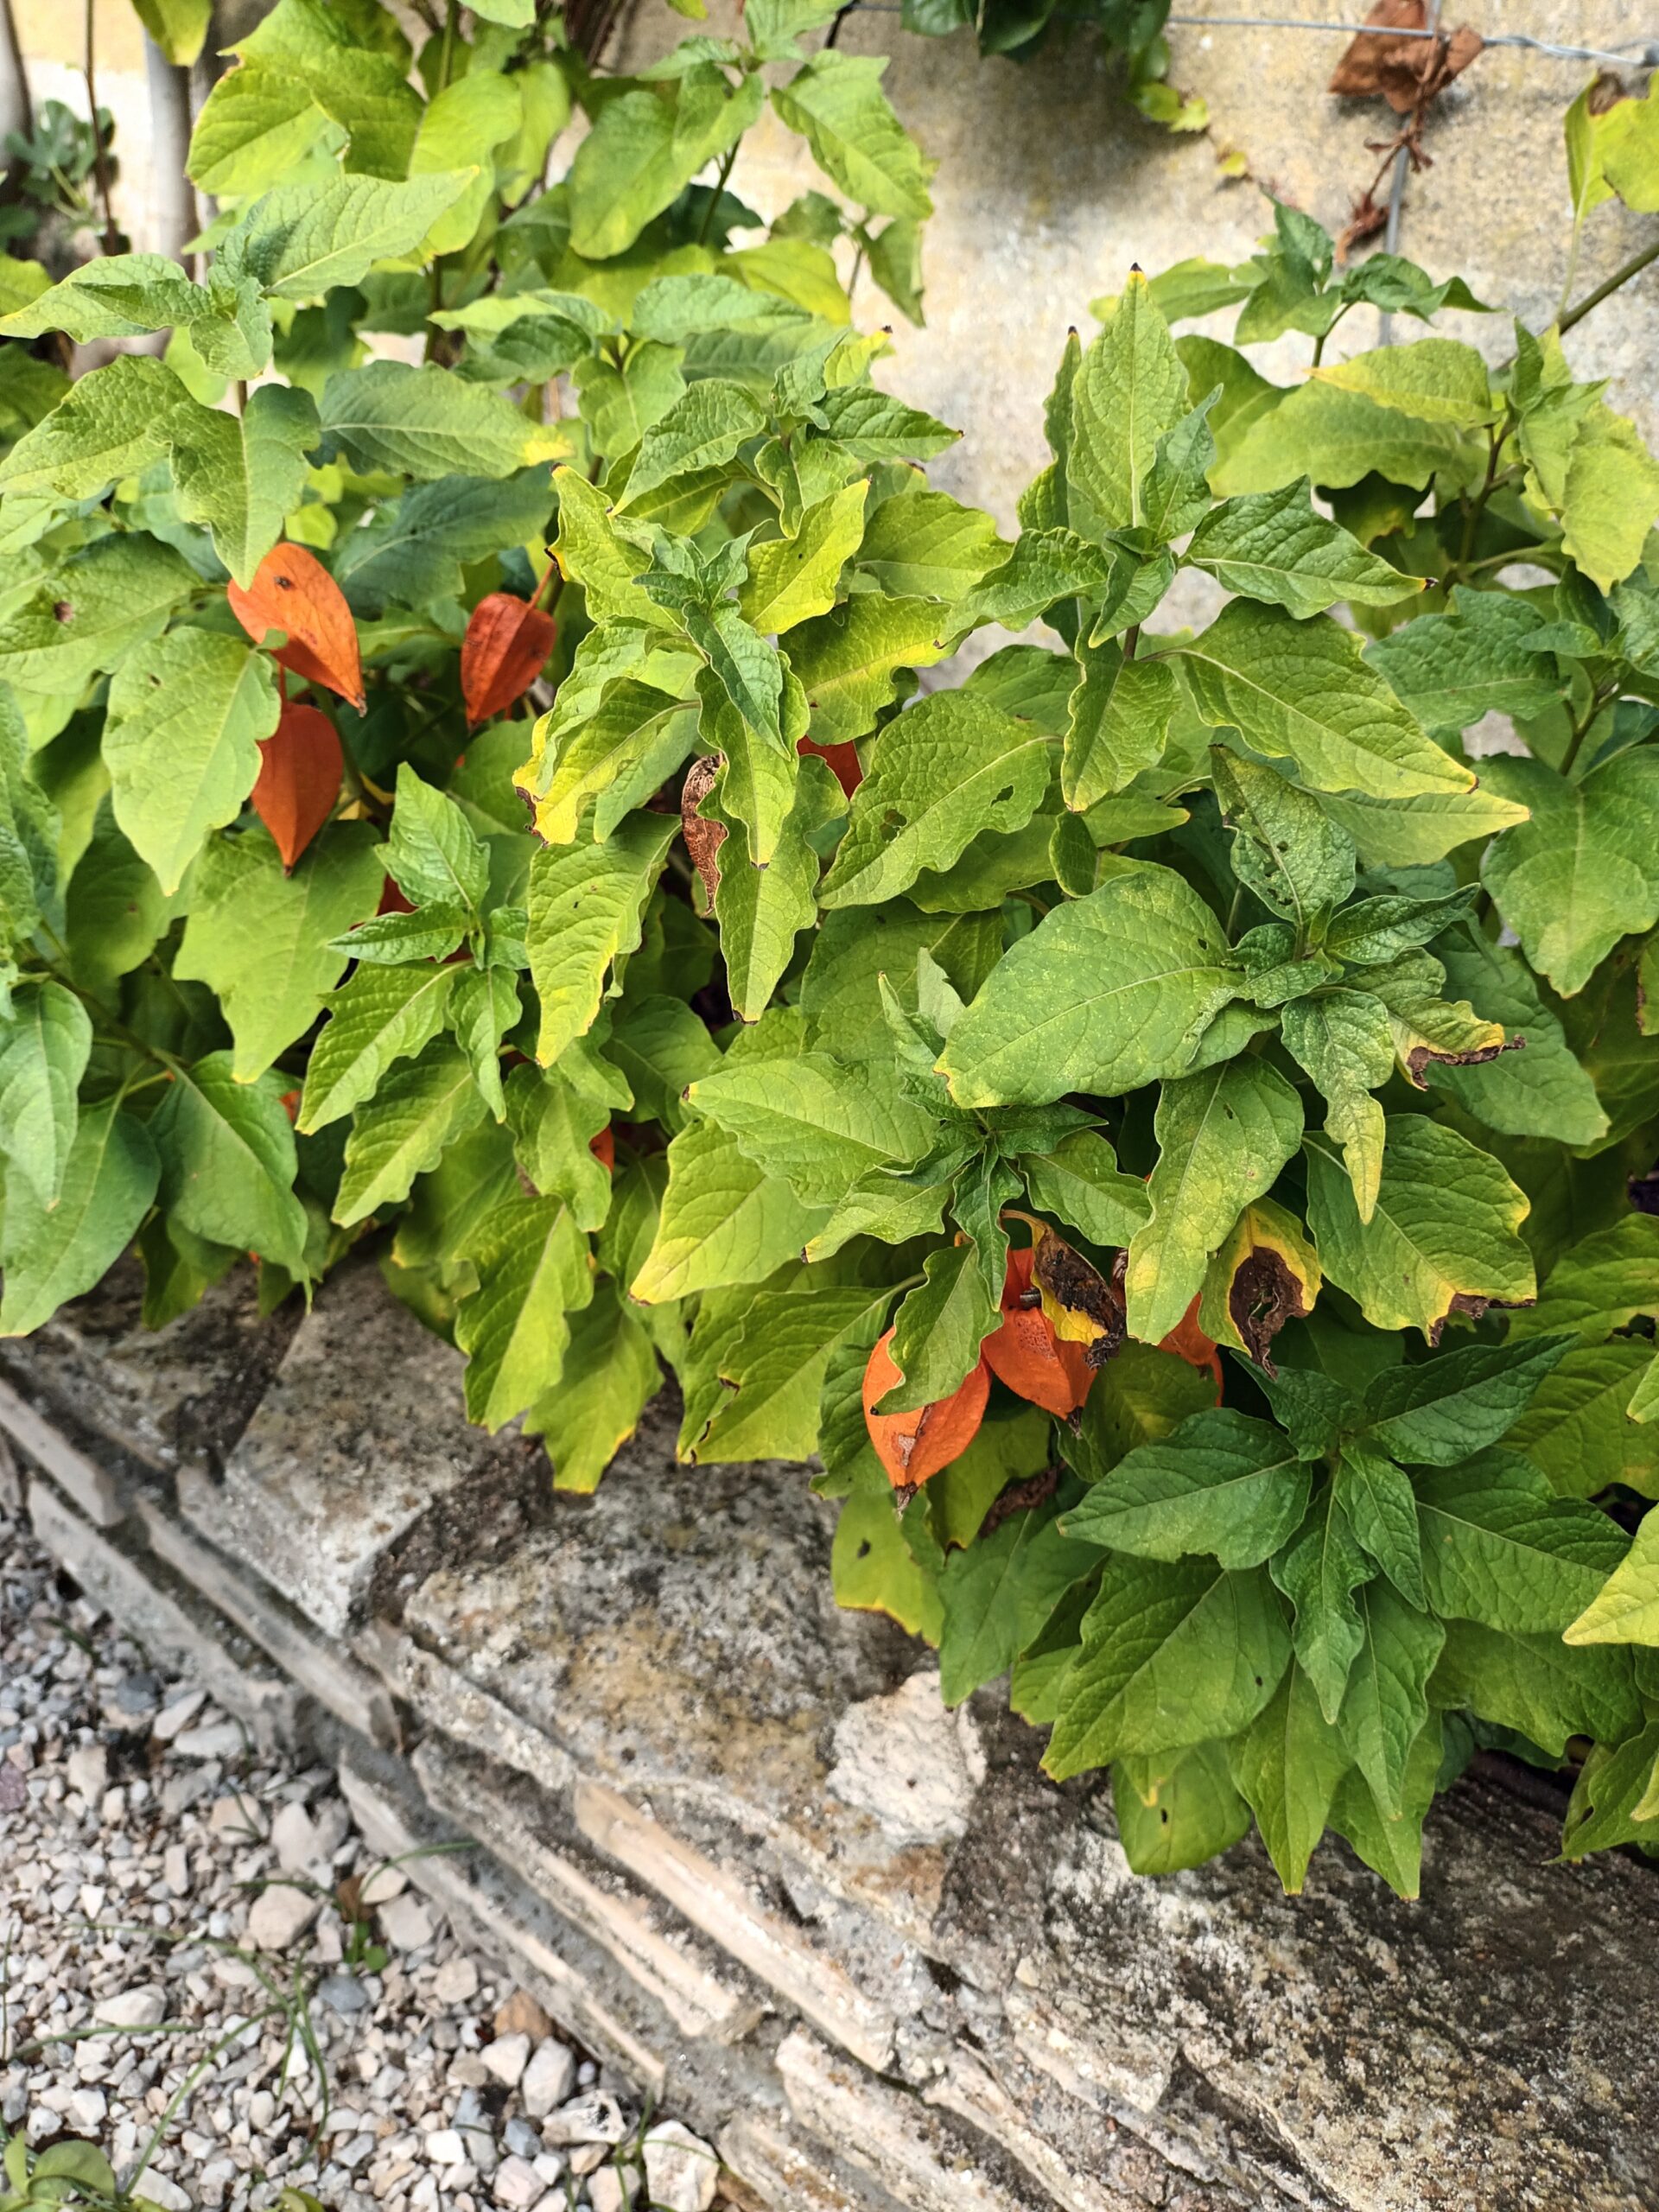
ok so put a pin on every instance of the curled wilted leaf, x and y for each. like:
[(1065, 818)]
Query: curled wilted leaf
[(1027, 1355), (293, 592), (300, 769), (506, 647), (1081, 1306), (702, 839), (1406, 71), (913, 1446)]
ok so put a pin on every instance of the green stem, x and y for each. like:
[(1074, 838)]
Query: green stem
[(1633, 267), (1581, 728), (100, 159), (446, 52), (715, 196)]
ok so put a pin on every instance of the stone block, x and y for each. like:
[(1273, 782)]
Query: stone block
[(180, 1635), (359, 1472), (704, 1996)]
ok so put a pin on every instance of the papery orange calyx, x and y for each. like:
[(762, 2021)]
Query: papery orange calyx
[(1025, 1354), (1189, 1342), (842, 759), (301, 768), (504, 650), (293, 592), (913, 1446)]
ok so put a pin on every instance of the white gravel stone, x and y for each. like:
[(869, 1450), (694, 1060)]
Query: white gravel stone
[(88, 1772), (280, 1916), (596, 2118), (144, 2006), (506, 2058), (445, 2148), (220, 1739), (682, 2170), (406, 1924), (87, 2110), (548, 2078), (295, 1839), (613, 2188), (177, 1715), (516, 2184), (456, 1980)]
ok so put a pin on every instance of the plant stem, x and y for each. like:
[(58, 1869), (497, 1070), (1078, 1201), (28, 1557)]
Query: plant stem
[(1633, 267), (100, 159), (447, 53), (716, 195)]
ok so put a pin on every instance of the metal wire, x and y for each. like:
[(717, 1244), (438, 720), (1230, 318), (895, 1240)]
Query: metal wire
[(1630, 54)]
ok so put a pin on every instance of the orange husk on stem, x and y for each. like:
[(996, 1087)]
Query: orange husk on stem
[(912, 1446), (293, 592), (1025, 1354)]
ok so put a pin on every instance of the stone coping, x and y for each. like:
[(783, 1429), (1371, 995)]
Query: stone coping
[(733, 1840)]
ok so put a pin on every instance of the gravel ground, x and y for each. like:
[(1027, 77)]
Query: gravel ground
[(196, 1947)]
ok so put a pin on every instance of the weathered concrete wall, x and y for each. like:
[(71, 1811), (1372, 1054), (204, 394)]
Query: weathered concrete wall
[(1049, 188), (730, 1835)]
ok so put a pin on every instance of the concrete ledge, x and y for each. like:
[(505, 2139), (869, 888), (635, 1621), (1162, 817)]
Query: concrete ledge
[(691, 1789)]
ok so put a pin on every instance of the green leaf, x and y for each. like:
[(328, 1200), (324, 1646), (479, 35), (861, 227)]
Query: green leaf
[(1338, 437), (261, 938), (1045, 565), (609, 1376), (702, 430), (723, 1221), (1080, 1182), (1287, 1766), (950, 769), (1443, 1239), (434, 854), (1382, 1510), (1537, 1685), (927, 545), (91, 611), (113, 423), (614, 754), (1542, 1091), (1606, 1280), (1386, 1705), (187, 715), (846, 659), (1392, 1844), (761, 910), (793, 579), (1106, 993), (1584, 872), (586, 909), (241, 477), (417, 1113), (1288, 850), (1611, 496), (1441, 1411), (871, 425), (998, 1594), (228, 1161), (382, 1015), (428, 422), (1222, 1137), (1417, 832), (1223, 1484), (1128, 392), (44, 1049), (299, 241), (534, 1271), (1584, 1430), (645, 147), (462, 127), (773, 1375), (873, 1568), (412, 550), (115, 911), (179, 27), (1301, 691), (837, 105), (1120, 717), (1319, 1570), (1626, 1608), (257, 125), (817, 1123), (939, 1328), (1178, 1809), (1170, 1655), (1449, 670), (1272, 546), (554, 1123), (51, 1255), (122, 296), (1433, 380), (1498, 1547)]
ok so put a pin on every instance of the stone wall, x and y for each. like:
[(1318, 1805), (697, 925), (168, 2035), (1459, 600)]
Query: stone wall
[(730, 1835)]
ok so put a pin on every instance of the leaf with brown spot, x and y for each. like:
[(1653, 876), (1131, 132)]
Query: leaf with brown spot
[(504, 650), (1079, 1304), (301, 766), (702, 839), (293, 592), (913, 1446), (1267, 1273)]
